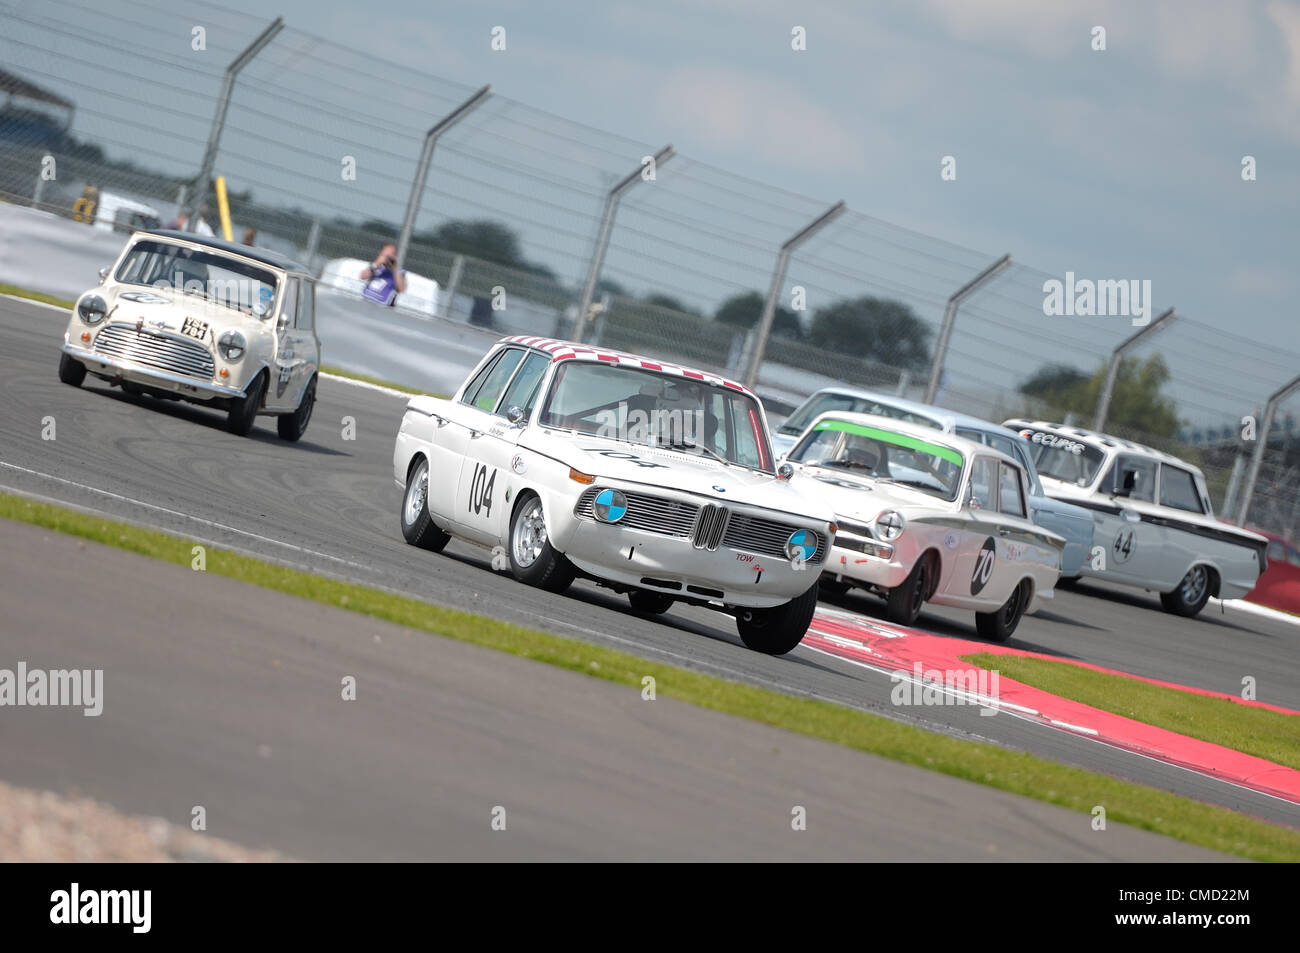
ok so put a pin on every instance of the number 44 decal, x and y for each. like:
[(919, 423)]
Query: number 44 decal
[(480, 489)]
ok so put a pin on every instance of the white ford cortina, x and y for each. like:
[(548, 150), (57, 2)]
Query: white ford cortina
[(925, 516), (651, 479)]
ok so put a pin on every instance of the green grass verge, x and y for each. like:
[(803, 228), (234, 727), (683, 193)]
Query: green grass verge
[(35, 296), (339, 372), (1074, 788), (1266, 734)]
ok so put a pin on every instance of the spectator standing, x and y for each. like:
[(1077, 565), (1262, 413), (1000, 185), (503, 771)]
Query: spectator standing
[(384, 280)]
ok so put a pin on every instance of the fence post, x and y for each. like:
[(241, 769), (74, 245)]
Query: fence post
[(950, 318), (1112, 371), (1261, 438), (219, 118), (453, 282), (602, 238), (778, 281), (422, 167)]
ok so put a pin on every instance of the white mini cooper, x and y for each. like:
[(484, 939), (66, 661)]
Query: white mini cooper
[(182, 317), (925, 516), (651, 479), (1153, 523)]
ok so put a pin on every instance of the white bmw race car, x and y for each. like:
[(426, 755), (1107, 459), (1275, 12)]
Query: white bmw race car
[(924, 517), (651, 479)]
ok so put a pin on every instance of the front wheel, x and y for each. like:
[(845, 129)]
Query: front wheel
[(243, 410), (533, 560), (71, 371), (294, 425), (1191, 595), (777, 630), (903, 604), (417, 525), (998, 626)]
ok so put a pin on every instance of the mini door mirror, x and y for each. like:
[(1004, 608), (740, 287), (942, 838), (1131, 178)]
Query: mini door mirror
[(284, 321), (103, 274), (515, 414), (785, 471)]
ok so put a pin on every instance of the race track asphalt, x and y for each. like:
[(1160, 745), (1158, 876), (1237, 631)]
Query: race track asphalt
[(329, 505)]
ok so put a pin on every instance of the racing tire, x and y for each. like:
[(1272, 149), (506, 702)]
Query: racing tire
[(1192, 594), (998, 626), (243, 410), (294, 425), (779, 629), (649, 603), (533, 560), (71, 371), (417, 525), (132, 390), (904, 602)]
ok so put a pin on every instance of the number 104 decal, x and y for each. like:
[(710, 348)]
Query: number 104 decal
[(480, 489)]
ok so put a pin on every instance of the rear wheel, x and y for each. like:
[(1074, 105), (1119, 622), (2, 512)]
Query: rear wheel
[(533, 560), (1191, 595), (998, 626), (243, 410), (778, 630), (649, 603), (294, 425), (417, 524), (903, 604), (71, 371)]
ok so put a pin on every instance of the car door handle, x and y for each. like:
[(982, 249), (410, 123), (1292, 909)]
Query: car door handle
[(1004, 530), (475, 434)]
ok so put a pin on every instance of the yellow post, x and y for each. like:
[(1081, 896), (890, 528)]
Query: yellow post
[(223, 206)]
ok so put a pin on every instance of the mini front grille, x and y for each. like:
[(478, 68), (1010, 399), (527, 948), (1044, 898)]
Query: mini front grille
[(158, 350), (652, 514), (755, 534), (710, 527)]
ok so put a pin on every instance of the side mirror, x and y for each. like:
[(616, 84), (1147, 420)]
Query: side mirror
[(968, 500), (103, 274), (284, 322), (515, 414), (784, 472)]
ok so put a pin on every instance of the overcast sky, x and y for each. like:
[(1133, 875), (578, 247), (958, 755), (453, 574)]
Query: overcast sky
[(1122, 163)]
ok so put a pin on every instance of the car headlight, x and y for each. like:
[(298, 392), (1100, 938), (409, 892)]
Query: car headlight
[(610, 506), (91, 309), (232, 346), (890, 524)]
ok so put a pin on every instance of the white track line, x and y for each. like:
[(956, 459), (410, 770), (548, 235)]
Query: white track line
[(162, 509)]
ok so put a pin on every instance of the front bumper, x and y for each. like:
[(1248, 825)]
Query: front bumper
[(97, 363), (674, 566)]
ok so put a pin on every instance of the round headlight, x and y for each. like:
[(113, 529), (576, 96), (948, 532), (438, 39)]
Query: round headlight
[(91, 309), (890, 524), (801, 545), (610, 506), (232, 346)]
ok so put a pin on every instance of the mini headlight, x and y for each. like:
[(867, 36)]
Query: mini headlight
[(609, 506), (91, 309), (890, 524), (232, 346)]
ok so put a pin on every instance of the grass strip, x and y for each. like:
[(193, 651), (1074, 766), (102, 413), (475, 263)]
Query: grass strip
[(35, 296), (1074, 788), (1271, 735)]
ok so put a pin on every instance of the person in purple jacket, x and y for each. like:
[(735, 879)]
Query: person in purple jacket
[(384, 280)]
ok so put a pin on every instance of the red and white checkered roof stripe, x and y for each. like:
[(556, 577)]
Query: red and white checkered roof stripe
[(568, 351)]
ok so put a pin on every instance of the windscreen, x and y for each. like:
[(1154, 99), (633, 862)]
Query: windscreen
[(227, 281), (647, 407), (881, 455)]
